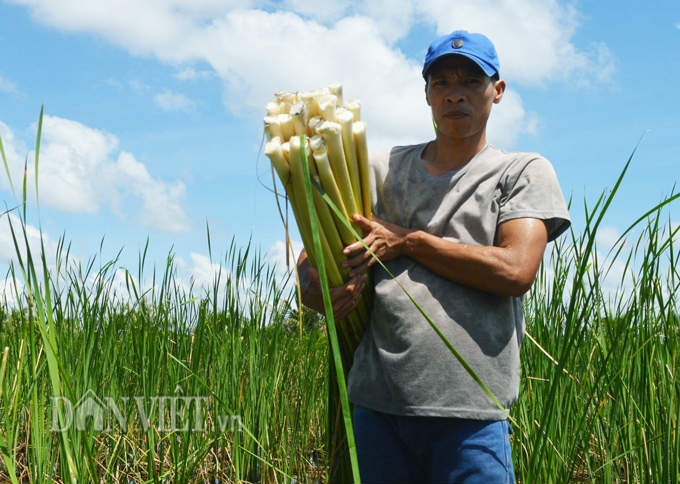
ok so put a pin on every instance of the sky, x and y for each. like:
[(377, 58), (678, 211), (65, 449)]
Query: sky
[(153, 110)]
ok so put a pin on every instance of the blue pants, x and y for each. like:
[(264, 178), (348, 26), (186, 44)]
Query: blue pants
[(393, 448)]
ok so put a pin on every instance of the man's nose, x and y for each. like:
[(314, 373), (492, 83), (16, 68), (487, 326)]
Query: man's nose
[(455, 95)]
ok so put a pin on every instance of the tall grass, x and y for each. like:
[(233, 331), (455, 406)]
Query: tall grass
[(236, 350), (599, 395)]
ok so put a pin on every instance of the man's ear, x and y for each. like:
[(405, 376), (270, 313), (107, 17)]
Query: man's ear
[(499, 87), (427, 96)]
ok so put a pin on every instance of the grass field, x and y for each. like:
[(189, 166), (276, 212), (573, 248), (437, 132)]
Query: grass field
[(175, 384)]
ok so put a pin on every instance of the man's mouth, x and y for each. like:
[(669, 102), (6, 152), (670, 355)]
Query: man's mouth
[(456, 115)]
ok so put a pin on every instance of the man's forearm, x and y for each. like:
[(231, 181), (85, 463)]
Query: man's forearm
[(489, 268), (507, 268)]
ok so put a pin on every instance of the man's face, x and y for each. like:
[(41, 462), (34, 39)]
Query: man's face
[(460, 95)]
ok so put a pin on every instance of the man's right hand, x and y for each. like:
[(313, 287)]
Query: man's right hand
[(343, 298)]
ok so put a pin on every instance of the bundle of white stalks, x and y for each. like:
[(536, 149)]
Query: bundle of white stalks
[(337, 152)]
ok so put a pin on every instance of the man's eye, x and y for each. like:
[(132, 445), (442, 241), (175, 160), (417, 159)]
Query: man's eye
[(472, 81)]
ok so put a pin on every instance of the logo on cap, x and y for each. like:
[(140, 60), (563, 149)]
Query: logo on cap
[(457, 43)]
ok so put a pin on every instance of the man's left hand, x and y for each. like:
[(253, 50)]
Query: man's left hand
[(386, 240)]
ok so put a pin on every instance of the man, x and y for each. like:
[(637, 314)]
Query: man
[(463, 226)]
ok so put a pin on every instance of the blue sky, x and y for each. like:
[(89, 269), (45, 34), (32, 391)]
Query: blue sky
[(154, 109)]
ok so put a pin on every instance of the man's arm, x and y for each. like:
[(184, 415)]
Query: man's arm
[(507, 269)]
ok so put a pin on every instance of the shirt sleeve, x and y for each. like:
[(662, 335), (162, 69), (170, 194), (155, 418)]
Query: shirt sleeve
[(534, 192)]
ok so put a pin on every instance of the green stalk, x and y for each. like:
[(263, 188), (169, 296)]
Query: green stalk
[(359, 132), (4, 161), (345, 118), (332, 135), (330, 321), (4, 441), (37, 153), (275, 153), (331, 187), (45, 321)]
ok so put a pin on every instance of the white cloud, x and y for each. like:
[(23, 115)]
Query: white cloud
[(142, 27), (9, 288), (257, 52), (276, 254), (8, 86), (161, 202), (508, 119), (677, 25), (392, 22), (532, 123), (265, 46), (139, 87), (79, 172), (191, 74), (232, 290), (191, 279), (620, 277), (605, 64), (73, 158), (173, 101), (607, 236), (114, 83), (249, 290), (12, 147), (533, 37), (206, 273), (9, 252), (616, 278), (167, 99), (322, 11)]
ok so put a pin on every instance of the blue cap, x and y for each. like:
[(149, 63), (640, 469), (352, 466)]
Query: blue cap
[(477, 47)]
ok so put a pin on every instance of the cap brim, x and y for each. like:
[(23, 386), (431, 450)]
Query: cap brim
[(488, 69)]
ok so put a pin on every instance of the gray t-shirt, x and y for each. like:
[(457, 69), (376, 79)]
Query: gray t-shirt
[(401, 366)]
